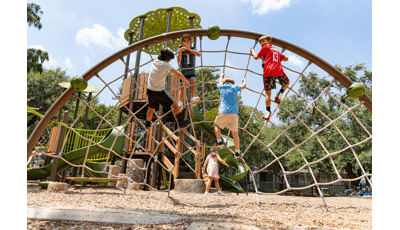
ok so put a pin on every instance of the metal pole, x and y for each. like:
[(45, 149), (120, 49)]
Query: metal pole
[(134, 79), (139, 52), (77, 105), (191, 27), (87, 110), (168, 25), (128, 57)]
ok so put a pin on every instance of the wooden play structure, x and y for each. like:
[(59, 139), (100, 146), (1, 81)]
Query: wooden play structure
[(174, 145)]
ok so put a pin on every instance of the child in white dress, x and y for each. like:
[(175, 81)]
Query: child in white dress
[(212, 170)]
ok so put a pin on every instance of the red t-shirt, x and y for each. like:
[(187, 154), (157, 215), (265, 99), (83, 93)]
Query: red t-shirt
[(272, 61)]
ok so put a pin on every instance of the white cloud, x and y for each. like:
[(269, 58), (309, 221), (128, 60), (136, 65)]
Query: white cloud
[(47, 64), (38, 47), (263, 6), (51, 63), (228, 63), (101, 36), (87, 61), (294, 60), (68, 63)]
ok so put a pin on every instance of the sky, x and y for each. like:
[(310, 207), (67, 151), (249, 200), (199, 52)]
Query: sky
[(77, 35)]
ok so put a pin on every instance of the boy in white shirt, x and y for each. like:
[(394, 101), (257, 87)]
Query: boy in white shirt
[(156, 92)]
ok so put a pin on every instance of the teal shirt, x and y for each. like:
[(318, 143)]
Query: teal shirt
[(187, 62)]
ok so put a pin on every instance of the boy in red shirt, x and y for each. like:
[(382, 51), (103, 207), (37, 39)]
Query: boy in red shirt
[(272, 70)]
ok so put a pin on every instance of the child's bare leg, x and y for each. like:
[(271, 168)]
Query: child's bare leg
[(236, 140), (182, 92), (268, 98), (176, 108), (217, 132), (286, 86), (150, 112), (193, 87), (216, 184), (210, 179)]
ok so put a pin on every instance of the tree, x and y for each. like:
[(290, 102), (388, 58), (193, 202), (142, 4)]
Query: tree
[(330, 137), (43, 90), (33, 17), (35, 59)]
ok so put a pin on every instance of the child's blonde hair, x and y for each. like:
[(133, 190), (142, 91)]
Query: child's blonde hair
[(265, 37), (213, 152), (228, 79)]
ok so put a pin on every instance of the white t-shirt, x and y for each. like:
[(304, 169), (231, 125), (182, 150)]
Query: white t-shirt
[(158, 73)]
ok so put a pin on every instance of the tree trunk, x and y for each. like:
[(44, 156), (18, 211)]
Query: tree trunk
[(351, 174), (280, 183)]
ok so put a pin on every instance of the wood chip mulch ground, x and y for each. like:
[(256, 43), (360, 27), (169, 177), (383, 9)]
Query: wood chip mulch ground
[(275, 212)]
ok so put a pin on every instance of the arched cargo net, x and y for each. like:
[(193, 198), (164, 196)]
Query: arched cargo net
[(137, 135)]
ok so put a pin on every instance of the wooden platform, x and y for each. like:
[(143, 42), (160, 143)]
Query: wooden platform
[(138, 95), (143, 113)]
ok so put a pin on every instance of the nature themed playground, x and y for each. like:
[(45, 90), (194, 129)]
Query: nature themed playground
[(156, 159)]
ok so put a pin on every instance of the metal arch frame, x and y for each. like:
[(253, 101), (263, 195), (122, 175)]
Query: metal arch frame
[(56, 106)]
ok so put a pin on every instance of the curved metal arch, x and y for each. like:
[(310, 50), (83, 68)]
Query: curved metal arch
[(55, 107)]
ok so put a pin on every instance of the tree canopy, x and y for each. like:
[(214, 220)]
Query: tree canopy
[(35, 57), (33, 17)]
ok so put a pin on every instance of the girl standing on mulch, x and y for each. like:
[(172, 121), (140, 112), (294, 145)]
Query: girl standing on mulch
[(212, 170)]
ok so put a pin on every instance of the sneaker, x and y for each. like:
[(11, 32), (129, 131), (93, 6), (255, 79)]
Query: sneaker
[(180, 105), (238, 154), (195, 100), (267, 115), (148, 124), (278, 97), (220, 193), (206, 193), (220, 144)]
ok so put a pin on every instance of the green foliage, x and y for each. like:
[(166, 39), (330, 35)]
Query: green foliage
[(43, 90), (35, 59), (33, 17), (212, 114), (156, 23)]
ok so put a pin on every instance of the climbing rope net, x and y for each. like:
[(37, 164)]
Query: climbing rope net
[(142, 134)]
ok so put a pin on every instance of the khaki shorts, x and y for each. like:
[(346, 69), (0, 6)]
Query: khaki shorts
[(229, 120)]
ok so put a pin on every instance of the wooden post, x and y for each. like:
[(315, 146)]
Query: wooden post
[(197, 158), (247, 187), (156, 136), (154, 173), (53, 174), (148, 173), (159, 178), (176, 162)]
